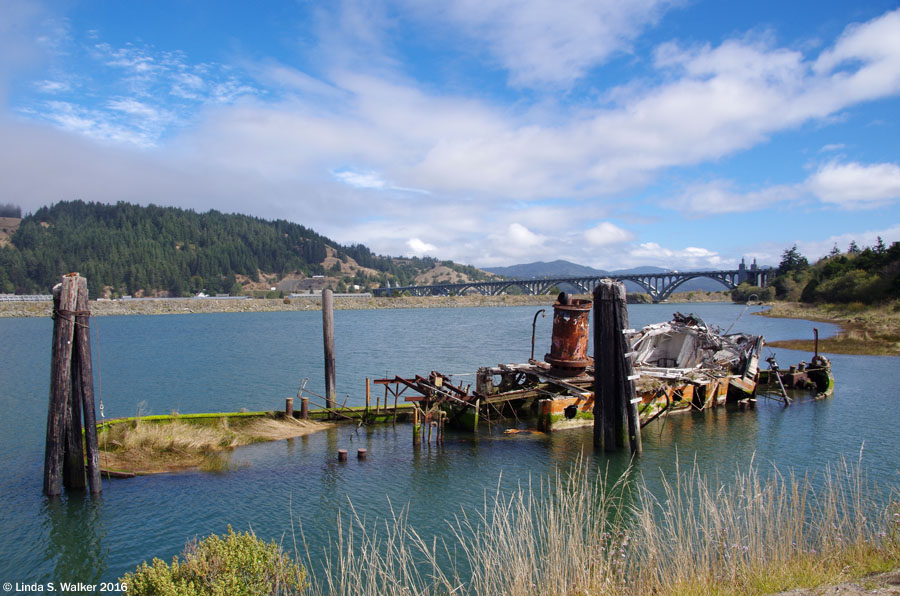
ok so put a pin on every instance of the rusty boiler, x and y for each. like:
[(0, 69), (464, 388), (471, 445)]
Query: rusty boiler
[(571, 330)]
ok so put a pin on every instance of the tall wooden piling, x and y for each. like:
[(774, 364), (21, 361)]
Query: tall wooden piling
[(615, 412), (85, 382), (71, 394), (328, 336)]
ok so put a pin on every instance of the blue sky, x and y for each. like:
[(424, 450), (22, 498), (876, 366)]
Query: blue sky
[(492, 132)]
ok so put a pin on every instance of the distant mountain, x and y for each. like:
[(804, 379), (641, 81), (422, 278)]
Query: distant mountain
[(558, 268)]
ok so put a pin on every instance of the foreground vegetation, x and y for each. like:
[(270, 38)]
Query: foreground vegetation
[(581, 534), (236, 564)]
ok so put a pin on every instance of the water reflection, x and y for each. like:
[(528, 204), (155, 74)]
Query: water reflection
[(76, 533)]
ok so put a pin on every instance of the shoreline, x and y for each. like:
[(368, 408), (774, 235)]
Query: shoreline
[(176, 306), (871, 331)]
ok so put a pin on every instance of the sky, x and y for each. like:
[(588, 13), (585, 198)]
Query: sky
[(672, 133)]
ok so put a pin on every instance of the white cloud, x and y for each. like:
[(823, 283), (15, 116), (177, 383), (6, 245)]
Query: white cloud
[(53, 86), (855, 185), (420, 248), (552, 42), (721, 196), (360, 179), (606, 233), (515, 241), (688, 258)]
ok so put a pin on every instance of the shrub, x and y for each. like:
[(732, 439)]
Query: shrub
[(745, 292), (236, 564), (852, 286)]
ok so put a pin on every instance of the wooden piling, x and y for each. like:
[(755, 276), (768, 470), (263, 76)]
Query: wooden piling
[(71, 394), (361, 453), (368, 394), (85, 381), (304, 408), (289, 407), (417, 438), (342, 455), (65, 296), (328, 336), (615, 413)]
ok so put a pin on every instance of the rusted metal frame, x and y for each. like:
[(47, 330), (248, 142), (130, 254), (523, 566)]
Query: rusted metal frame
[(449, 384), (396, 391), (441, 392)]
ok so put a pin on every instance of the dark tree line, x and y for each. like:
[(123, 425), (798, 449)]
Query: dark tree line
[(10, 210), (126, 249)]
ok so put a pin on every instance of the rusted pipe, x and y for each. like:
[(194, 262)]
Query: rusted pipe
[(543, 311)]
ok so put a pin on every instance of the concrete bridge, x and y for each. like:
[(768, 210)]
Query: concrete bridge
[(659, 285)]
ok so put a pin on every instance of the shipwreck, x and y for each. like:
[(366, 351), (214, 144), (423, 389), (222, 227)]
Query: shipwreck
[(676, 366)]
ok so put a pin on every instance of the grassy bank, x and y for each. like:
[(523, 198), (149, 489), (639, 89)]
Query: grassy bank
[(866, 330), (158, 444)]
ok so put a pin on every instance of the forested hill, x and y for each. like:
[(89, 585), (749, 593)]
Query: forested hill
[(129, 249)]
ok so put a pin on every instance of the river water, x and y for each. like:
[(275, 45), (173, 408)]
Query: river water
[(224, 362)]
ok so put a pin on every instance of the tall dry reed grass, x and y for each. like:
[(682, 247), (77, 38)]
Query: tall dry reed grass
[(582, 533)]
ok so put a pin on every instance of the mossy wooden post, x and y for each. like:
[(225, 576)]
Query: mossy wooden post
[(328, 336), (615, 414), (83, 380), (289, 407)]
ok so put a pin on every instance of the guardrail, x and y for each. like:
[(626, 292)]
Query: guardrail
[(26, 298)]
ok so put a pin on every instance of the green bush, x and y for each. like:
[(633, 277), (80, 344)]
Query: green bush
[(234, 565), (746, 292), (852, 286)]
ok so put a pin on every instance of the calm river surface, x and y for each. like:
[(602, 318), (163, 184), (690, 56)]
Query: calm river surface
[(224, 362)]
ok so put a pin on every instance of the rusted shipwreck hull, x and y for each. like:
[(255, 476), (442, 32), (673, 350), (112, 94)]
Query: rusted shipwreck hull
[(679, 365)]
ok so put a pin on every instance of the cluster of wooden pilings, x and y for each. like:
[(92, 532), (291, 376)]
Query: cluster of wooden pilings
[(71, 394), (425, 422)]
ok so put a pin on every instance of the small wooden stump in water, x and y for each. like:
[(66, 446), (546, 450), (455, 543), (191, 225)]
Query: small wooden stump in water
[(342, 455), (361, 453)]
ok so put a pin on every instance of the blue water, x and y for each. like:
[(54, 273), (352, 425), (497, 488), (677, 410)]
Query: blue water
[(224, 362)]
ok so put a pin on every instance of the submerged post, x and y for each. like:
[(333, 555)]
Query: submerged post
[(615, 412), (328, 336)]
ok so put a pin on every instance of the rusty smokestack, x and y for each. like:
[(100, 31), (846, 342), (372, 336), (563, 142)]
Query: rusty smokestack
[(571, 329)]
